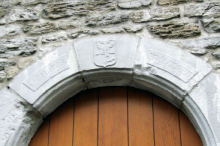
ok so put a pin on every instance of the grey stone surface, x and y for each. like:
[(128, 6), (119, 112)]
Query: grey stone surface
[(133, 28), (107, 60), (171, 2), (206, 95), (205, 43), (33, 83), (3, 12), (165, 13), (33, 2), (25, 61), (2, 76), (141, 16), (106, 19), (82, 33), (198, 51), (69, 24), (112, 30), (11, 71), (18, 121), (23, 15), (216, 55), (211, 25), (204, 9), (10, 30), (40, 28), (18, 47), (175, 29), (169, 67), (64, 9), (133, 3), (4, 64), (54, 38)]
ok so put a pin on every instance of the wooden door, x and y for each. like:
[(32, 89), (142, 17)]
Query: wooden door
[(116, 116)]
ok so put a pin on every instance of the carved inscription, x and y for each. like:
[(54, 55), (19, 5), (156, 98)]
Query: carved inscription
[(172, 65), (104, 53), (42, 75)]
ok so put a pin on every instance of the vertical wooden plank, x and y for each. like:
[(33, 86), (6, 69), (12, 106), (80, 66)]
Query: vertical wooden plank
[(41, 136), (166, 123), (140, 118), (61, 125), (189, 136), (85, 119), (112, 130)]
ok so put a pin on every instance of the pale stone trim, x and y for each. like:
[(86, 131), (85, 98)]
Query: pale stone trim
[(165, 70)]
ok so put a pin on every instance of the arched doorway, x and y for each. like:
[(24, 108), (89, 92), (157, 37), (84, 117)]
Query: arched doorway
[(116, 116)]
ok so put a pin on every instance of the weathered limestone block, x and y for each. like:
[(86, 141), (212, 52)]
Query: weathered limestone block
[(133, 28), (82, 32), (54, 38), (19, 46), (171, 2), (216, 55), (205, 43), (175, 30), (2, 76), (198, 51), (108, 60), (206, 95), (16, 120), (169, 67), (64, 9), (106, 19), (211, 25), (133, 3), (155, 14), (165, 13), (4, 64), (112, 30), (10, 30), (23, 15), (69, 24), (2, 16), (38, 29), (37, 82), (33, 2), (204, 9), (141, 16), (25, 61), (11, 71), (8, 3)]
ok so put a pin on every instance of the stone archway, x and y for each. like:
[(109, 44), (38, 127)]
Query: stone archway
[(182, 79)]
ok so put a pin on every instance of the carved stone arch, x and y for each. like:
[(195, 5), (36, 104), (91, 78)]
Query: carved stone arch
[(174, 74)]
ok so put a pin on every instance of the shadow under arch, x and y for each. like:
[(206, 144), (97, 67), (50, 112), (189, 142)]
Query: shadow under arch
[(147, 64)]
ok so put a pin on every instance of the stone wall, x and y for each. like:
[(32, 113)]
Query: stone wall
[(31, 28)]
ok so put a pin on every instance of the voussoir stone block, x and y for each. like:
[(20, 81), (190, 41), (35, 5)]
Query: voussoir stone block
[(133, 3), (107, 60), (168, 67), (38, 79), (16, 120), (207, 97)]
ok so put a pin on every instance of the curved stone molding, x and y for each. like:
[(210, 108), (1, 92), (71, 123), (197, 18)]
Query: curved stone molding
[(118, 60)]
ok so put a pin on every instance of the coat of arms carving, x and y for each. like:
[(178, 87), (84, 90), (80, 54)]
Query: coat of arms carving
[(105, 53)]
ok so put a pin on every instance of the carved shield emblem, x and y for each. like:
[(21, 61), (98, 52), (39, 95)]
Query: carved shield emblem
[(105, 53)]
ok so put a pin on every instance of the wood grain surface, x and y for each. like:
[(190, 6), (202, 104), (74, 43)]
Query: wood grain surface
[(189, 135), (85, 119), (140, 118), (61, 125), (112, 130), (166, 123)]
